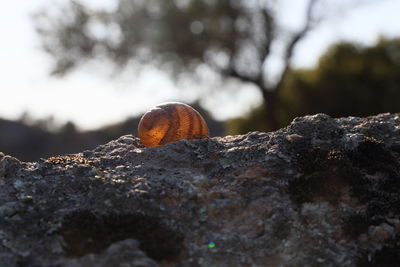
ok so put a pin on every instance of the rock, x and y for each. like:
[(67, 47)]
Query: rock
[(8, 165), (320, 192), (121, 253)]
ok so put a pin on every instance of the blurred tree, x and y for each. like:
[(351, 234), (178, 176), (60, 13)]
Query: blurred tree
[(45, 124), (232, 37), (25, 118), (350, 80), (68, 129)]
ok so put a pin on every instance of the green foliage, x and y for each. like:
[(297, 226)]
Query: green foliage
[(349, 80)]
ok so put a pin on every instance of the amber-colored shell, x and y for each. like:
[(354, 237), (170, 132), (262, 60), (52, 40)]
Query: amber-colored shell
[(170, 122)]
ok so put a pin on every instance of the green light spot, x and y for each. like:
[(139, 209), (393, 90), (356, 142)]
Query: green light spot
[(211, 245)]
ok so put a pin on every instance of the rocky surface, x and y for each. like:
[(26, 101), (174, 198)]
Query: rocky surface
[(321, 192)]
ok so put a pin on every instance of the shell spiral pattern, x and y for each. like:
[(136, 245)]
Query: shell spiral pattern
[(170, 122)]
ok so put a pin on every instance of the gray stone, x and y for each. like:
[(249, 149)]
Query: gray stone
[(320, 192)]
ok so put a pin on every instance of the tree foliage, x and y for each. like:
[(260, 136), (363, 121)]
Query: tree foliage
[(231, 37), (349, 80), (174, 33)]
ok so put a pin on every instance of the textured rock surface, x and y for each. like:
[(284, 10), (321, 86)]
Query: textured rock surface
[(321, 192)]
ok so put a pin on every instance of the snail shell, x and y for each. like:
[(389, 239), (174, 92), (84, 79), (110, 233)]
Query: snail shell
[(170, 122)]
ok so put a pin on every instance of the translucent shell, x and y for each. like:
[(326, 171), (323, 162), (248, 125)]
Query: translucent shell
[(170, 122)]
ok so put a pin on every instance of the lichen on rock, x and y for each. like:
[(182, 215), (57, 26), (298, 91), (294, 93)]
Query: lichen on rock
[(320, 192)]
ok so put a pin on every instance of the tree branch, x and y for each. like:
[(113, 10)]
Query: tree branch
[(297, 37), (231, 72), (269, 36)]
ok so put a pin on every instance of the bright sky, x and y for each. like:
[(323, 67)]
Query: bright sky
[(91, 99)]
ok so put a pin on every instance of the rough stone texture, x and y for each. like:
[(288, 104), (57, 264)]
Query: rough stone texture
[(321, 192)]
